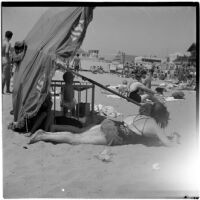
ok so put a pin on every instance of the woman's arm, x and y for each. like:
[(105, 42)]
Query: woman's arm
[(163, 138), (129, 84), (142, 87)]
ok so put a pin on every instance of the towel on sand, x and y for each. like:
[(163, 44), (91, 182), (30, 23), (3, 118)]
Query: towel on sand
[(113, 96), (171, 99)]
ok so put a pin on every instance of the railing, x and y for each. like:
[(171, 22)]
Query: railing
[(79, 87)]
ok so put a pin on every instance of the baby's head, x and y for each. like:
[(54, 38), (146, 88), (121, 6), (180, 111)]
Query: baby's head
[(68, 77)]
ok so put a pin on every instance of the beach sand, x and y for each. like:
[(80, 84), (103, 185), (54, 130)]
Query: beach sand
[(44, 170)]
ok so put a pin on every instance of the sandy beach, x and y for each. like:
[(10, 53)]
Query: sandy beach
[(44, 170)]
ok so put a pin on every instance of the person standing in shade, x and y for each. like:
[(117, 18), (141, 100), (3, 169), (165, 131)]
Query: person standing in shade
[(6, 61), (77, 63), (67, 94)]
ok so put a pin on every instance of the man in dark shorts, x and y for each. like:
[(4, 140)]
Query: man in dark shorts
[(147, 81), (77, 63), (6, 61)]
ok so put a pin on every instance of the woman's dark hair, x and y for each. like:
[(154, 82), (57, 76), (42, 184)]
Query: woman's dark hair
[(68, 77), (145, 109), (8, 34), (158, 111)]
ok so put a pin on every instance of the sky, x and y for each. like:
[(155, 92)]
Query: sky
[(150, 31)]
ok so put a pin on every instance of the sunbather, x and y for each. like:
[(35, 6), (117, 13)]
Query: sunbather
[(190, 85), (148, 127), (139, 92)]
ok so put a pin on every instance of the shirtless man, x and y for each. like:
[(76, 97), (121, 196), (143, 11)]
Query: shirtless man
[(6, 61), (77, 63), (148, 79)]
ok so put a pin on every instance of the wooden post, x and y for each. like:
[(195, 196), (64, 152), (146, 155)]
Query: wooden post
[(93, 95), (54, 90)]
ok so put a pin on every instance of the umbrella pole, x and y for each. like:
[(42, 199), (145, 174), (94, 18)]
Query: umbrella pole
[(105, 88)]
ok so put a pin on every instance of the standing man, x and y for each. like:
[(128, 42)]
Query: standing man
[(148, 79), (6, 61), (77, 63)]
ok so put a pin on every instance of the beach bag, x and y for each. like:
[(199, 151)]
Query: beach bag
[(178, 95)]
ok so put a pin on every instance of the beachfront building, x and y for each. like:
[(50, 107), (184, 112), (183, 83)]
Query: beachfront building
[(181, 60), (91, 59), (174, 56), (147, 61), (192, 57), (123, 58), (82, 53), (93, 53)]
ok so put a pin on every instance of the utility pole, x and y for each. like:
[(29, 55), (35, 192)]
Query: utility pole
[(123, 58)]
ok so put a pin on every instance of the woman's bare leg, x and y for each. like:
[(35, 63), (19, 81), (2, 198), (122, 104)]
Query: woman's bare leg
[(92, 136), (69, 128), (65, 128)]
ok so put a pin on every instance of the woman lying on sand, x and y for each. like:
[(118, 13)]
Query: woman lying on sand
[(148, 127)]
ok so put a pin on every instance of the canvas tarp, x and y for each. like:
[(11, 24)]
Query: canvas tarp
[(58, 33)]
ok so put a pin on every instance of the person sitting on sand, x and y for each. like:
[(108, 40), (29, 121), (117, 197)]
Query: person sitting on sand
[(139, 92), (67, 94), (191, 81), (148, 128), (190, 85)]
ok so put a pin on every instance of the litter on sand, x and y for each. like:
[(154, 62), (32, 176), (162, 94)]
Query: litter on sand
[(104, 156), (156, 166)]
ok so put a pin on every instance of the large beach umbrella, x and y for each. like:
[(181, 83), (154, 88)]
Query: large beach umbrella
[(58, 33)]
